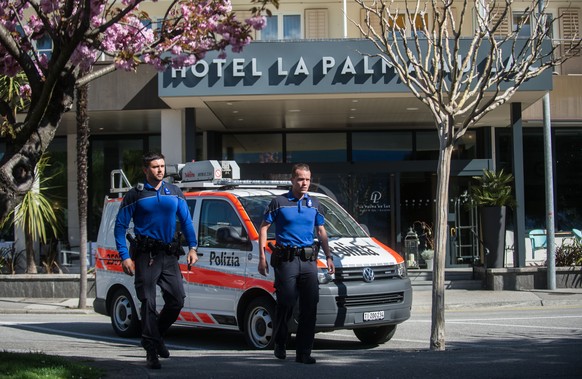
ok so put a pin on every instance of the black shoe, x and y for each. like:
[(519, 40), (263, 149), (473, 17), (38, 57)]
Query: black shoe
[(152, 360), (305, 358), (280, 351), (162, 350)]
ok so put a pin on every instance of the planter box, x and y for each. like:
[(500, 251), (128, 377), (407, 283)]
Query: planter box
[(44, 285), (528, 278)]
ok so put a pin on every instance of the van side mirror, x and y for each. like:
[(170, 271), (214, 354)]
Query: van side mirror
[(228, 234)]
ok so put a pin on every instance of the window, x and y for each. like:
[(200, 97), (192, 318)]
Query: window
[(522, 24), (466, 147), (427, 145), (253, 148), (316, 23), (220, 227), (398, 21), (550, 25), (567, 158), (381, 146), (316, 147), (494, 15), (570, 29), (421, 21), (44, 46), (282, 27)]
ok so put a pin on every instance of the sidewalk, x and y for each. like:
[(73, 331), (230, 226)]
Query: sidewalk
[(422, 301)]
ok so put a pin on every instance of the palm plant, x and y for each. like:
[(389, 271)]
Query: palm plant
[(35, 215), (493, 189)]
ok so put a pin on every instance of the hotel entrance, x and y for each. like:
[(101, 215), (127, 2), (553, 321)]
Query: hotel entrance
[(389, 203)]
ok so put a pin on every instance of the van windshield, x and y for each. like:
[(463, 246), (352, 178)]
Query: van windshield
[(338, 222)]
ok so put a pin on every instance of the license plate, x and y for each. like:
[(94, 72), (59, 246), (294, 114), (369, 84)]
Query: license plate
[(373, 316)]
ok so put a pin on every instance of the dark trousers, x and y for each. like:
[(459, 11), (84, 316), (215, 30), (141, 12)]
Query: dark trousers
[(293, 280), (164, 271)]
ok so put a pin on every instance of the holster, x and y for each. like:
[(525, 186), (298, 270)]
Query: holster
[(132, 246), (176, 246), (309, 253), (275, 255)]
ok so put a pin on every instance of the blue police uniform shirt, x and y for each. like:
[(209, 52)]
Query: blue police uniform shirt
[(294, 219), (154, 213)]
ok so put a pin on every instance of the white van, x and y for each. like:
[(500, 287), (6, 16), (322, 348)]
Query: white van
[(369, 293)]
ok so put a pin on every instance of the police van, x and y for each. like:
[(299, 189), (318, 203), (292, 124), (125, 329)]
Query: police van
[(369, 293)]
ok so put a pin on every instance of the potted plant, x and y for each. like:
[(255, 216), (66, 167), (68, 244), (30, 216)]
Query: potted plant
[(492, 194), (428, 256)]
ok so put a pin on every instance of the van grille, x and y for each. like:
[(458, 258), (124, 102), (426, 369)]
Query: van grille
[(365, 300), (357, 273)]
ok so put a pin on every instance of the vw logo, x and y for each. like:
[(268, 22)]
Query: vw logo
[(368, 275)]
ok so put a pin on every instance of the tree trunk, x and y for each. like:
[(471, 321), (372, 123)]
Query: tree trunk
[(18, 162), (82, 146), (437, 337), (30, 259)]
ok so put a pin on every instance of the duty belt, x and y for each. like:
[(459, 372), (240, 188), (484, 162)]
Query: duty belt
[(152, 246), (287, 253)]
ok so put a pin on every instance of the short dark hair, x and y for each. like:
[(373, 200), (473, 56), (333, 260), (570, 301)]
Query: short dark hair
[(299, 166), (151, 156)]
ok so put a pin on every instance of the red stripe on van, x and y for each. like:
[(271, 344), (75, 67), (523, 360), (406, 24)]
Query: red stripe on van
[(205, 318), (265, 284), (397, 256), (208, 277), (189, 317), (213, 278), (107, 259)]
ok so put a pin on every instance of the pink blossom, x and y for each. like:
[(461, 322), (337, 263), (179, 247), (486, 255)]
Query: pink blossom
[(25, 91), (196, 26), (257, 22)]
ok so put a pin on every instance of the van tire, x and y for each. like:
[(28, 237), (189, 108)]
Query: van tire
[(124, 317), (259, 323), (375, 335)]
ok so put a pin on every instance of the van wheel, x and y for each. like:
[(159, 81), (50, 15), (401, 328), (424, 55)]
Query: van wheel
[(375, 335), (124, 318), (259, 323)]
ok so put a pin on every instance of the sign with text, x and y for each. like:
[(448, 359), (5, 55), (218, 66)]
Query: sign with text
[(302, 67)]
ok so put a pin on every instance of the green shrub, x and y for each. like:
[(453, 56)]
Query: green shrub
[(569, 254)]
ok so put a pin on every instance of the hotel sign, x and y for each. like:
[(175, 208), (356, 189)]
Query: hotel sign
[(297, 67)]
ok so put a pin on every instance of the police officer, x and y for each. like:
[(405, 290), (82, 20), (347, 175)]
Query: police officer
[(154, 206), (296, 215)]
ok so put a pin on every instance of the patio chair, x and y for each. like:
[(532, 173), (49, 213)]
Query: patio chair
[(538, 240), (577, 235)]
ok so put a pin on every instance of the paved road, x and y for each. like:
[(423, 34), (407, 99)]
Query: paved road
[(518, 342)]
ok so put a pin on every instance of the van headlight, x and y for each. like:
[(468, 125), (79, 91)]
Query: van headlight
[(401, 270), (324, 277)]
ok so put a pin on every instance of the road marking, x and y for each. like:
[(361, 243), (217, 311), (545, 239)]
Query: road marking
[(127, 341), (500, 319), (519, 318), (515, 325)]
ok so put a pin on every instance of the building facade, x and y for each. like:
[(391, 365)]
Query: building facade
[(305, 91)]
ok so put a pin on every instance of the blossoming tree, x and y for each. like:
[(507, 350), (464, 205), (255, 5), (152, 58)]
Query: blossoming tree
[(81, 31)]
